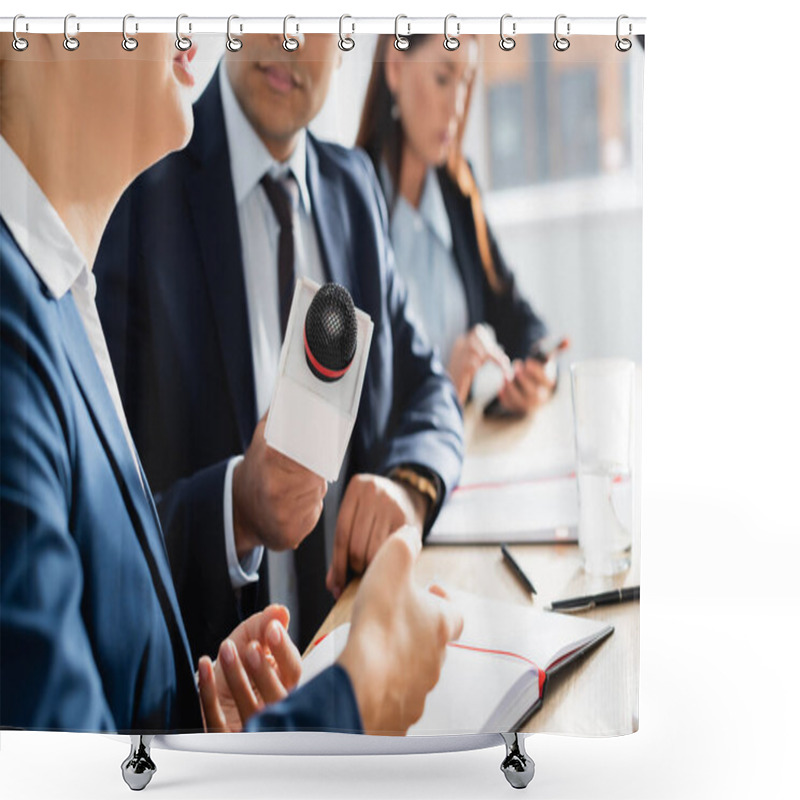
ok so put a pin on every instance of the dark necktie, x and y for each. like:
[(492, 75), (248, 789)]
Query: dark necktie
[(280, 198), (314, 600)]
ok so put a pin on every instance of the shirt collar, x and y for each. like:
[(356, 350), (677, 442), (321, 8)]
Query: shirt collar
[(432, 210), (249, 157), (37, 228)]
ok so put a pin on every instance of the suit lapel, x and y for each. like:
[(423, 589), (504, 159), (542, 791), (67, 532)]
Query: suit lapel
[(211, 198), (328, 199), (136, 492), (459, 212)]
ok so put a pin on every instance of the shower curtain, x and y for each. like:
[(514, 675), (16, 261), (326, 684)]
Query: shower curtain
[(482, 206)]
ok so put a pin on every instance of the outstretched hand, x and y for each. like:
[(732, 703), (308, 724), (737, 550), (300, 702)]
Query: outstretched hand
[(229, 693)]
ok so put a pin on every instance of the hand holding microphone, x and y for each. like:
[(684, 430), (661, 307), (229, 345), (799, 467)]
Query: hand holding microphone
[(276, 501)]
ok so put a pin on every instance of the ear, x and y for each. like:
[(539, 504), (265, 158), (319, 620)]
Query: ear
[(393, 68)]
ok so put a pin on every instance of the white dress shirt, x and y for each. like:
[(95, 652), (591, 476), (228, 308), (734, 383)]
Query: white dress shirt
[(423, 249), (259, 230), (53, 254)]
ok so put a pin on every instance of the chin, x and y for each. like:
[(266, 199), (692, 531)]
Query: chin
[(439, 159), (186, 127)]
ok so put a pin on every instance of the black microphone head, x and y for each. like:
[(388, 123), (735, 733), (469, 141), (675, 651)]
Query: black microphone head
[(330, 332)]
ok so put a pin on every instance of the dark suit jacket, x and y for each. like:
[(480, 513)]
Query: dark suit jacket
[(516, 324), (171, 296), (91, 636)]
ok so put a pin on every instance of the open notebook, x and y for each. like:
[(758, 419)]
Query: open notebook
[(494, 676)]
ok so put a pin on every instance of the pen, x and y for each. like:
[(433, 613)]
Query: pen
[(517, 570), (593, 600)]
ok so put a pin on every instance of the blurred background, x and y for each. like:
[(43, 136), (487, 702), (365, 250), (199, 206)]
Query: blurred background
[(555, 141)]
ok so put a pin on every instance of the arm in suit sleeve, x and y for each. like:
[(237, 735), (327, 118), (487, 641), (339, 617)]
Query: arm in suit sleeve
[(516, 324), (191, 510), (191, 514), (325, 703), (49, 678), (426, 428)]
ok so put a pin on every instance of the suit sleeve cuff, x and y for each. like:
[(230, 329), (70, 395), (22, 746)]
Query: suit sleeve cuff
[(326, 703), (245, 571)]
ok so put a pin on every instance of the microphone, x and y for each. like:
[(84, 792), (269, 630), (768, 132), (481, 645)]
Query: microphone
[(320, 377), (330, 333)]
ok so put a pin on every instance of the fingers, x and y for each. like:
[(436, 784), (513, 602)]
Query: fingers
[(512, 398), (209, 698), (377, 538), (238, 682), (274, 611), (337, 574), (364, 526), (451, 621), (434, 588), (287, 657), (262, 674), (488, 349), (535, 372)]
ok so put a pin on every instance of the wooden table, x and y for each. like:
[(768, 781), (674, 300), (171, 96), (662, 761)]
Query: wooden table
[(597, 695)]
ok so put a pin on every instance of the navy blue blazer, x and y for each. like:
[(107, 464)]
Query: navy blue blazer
[(91, 636), (172, 301)]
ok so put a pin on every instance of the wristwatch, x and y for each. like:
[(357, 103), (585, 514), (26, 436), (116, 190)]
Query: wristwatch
[(425, 482)]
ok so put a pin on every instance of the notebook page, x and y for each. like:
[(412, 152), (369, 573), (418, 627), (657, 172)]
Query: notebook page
[(541, 636), (472, 690)]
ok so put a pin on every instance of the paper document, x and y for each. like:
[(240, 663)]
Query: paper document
[(539, 510)]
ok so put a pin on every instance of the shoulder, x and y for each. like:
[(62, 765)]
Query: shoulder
[(352, 164), (32, 361), (25, 302)]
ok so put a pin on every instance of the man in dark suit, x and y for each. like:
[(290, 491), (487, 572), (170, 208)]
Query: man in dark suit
[(193, 274), (91, 634)]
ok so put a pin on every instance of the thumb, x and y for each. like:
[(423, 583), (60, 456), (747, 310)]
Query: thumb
[(258, 433), (452, 618), (395, 558), (409, 535)]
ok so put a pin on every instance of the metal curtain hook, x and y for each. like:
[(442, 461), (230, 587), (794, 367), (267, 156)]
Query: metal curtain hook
[(401, 42), (18, 43), (507, 42), (70, 42), (233, 44), (623, 45), (561, 43), (182, 42), (290, 43), (129, 43), (451, 42), (346, 43)]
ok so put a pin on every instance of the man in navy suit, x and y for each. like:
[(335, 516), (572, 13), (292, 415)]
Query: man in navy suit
[(192, 275), (91, 633)]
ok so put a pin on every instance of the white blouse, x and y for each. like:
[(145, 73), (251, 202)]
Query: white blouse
[(423, 248)]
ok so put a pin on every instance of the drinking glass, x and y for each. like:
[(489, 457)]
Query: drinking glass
[(603, 412)]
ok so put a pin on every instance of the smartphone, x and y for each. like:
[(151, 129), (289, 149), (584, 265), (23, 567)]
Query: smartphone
[(541, 351)]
